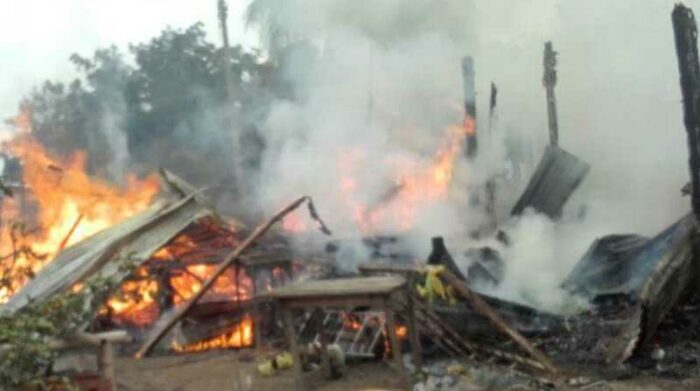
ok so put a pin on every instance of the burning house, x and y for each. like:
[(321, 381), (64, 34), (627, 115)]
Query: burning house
[(161, 256), (190, 280)]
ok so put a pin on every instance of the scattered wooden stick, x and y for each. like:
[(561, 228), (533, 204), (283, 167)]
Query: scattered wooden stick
[(65, 240), (259, 231), (482, 307)]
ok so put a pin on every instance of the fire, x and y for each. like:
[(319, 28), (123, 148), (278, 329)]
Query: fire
[(415, 185), (57, 205), (175, 273), (401, 332), (238, 336), (469, 125), (227, 287), (350, 321), (136, 303)]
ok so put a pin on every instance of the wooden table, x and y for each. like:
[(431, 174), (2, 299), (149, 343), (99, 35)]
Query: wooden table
[(346, 294)]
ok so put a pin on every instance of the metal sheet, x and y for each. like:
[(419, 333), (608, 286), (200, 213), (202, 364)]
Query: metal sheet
[(135, 239), (557, 176)]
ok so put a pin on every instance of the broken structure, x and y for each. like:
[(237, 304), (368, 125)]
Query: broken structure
[(160, 258)]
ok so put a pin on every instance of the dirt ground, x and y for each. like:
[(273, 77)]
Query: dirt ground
[(237, 371)]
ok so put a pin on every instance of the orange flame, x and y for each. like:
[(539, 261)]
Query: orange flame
[(61, 204), (136, 304), (238, 336), (225, 287), (415, 186)]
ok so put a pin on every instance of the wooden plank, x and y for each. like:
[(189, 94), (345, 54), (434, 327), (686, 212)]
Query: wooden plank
[(383, 268), (338, 302), (480, 305), (557, 176), (378, 285)]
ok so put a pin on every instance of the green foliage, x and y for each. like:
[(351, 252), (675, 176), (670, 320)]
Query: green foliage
[(166, 95), (26, 349)]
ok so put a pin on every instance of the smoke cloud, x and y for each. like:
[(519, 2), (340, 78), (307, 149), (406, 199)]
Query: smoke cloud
[(378, 86), (386, 83)]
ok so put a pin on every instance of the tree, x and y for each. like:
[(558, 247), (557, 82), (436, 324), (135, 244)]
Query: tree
[(168, 109)]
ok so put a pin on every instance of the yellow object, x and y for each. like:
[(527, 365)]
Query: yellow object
[(266, 369), (284, 360), (451, 298), (422, 292), (457, 369), (433, 287)]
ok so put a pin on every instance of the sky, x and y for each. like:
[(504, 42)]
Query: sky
[(37, 37)]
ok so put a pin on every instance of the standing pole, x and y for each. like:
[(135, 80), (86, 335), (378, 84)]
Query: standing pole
[(226, 61), (492, 105), (469, 105), (491, 183), (685, 31), (550, 80)]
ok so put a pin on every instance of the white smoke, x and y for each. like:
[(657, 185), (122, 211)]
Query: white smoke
[(111, 126), (387, 83), (380, 96)]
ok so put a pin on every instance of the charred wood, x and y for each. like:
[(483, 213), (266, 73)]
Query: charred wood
[(686, 32), (440, 256)]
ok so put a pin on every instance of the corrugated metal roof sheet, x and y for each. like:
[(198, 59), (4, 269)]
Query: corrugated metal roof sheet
[(557, 176), (134, 239)]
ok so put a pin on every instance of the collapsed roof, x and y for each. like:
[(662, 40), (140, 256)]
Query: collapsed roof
[(133, 240)]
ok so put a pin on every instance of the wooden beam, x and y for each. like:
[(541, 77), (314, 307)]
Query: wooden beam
[(393, 338), (482, 307), (230, 259), (469, 106), (685, 31), (550, 80)]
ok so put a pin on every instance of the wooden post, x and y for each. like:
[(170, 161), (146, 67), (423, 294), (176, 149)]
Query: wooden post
[(491, 183), (492, 104), (416, 348), (469, 106), (257, 317), (105, 363), (550, 80), (686, 32), (288, 269), (391, 332), (325, 361), (222, 9), (293, 347)]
